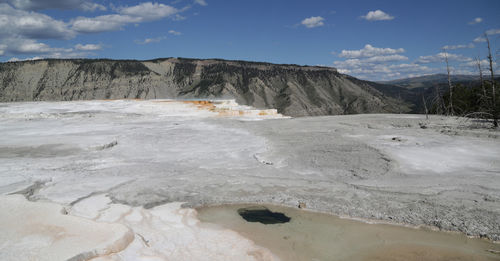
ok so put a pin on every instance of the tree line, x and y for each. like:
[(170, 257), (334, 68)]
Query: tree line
[(480, 100)]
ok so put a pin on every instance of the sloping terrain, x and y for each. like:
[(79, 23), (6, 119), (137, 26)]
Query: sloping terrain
[(123, 160), (414, 90), (293, 90), (431, 80)]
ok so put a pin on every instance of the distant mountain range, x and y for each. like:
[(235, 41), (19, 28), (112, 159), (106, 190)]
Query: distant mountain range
[(431, 80), (292, 89), (414, 90)]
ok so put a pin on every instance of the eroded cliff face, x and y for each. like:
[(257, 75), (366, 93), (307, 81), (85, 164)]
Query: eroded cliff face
[(293, 90)]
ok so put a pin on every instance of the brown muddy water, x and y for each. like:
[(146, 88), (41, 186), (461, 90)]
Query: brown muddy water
[(315, 236)]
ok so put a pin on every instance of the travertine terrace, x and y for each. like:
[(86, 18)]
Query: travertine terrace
[(128, 161)]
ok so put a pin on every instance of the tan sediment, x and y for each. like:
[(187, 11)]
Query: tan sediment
[(222, 111), (123, 99), (318, 236)]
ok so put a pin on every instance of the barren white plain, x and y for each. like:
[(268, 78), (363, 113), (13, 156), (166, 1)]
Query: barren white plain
[(123, 168)]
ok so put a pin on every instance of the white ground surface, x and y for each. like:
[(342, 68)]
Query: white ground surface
[(119, 162)]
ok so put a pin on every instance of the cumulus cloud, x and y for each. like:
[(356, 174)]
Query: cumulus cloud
[(42, 50), (369, 51), (2, 49), (34, 5), (459, 46), (143, 12), (476, 20), (201, 2), (479, 39), (88, 47), (377, 15), (150, 40), (15, 59), (55, 55), (440, 57), (377, 63), (313, 21), (482, 39), (16, 23), (20, 31), (386, 58), (485, 64), (29, 46), (174, 32), (493, 31), (148, 11), (383, 71), (21, 26), (103, 23)]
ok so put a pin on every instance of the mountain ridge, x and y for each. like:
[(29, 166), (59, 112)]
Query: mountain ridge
[(294, 90), (426, 80)]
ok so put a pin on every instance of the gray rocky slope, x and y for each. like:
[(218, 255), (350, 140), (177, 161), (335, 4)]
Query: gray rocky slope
[(293, 90)]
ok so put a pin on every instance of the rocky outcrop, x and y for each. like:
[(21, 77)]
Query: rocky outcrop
[(293, 90)]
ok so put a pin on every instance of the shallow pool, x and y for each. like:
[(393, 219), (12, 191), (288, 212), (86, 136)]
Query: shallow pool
[(316, 236)]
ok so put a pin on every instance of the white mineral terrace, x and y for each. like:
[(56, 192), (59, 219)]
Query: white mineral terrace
[(93, 227), (102, 180)]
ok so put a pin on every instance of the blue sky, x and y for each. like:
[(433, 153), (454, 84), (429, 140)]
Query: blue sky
[(374, 40)]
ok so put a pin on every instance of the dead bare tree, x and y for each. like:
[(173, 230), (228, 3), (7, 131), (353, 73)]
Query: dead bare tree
[(493, 94), (478, 62), (425, 107), (450, 109), (439, 101)]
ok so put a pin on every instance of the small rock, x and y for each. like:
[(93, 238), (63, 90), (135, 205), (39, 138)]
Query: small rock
[(396, 139), (302, 205)]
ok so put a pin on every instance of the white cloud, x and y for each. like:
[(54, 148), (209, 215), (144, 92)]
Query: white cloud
[(440, 58), (369, 51), (33, 47), (201, 2), (34, 5), (387, 58), (377, 15), (28, 46), (103, 23), (150, 40), (460, 46), (389, 66), (22, 24), (15, 59), (88, 6), (55, 55), (20, 31), (88, 47), (485, 64), (178, 17), (174, 32), (21, 27), (476, 20), (313, 21), (377, 63), (143, 12), (482, 39), (148, 11), (383, 71), (493, 32), (43, 50), (374, 63), (479, 39)]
